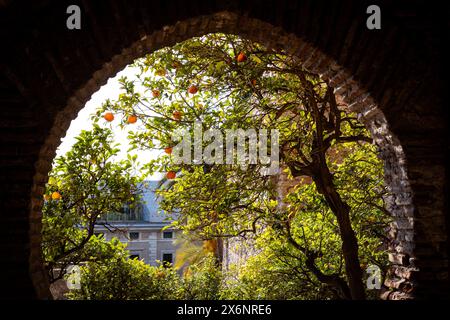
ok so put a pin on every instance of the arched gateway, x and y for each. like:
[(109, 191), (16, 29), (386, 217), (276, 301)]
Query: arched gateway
[(390, 77)]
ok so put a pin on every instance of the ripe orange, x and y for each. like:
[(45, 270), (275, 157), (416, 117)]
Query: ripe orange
[(132, 119), (171, 175), (193, 89), (108, 116), (241, 57), (155, 93), (168, 150), (56, 195), (47, 197), (253, 82), (176, 64), (177, 115), (161, 72)]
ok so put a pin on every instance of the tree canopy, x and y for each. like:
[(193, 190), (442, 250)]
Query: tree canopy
[(84, 185), (327, 228)]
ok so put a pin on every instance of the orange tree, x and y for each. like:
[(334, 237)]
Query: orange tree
[(120, 278), (116, 277), (84, 185), (225, 82)]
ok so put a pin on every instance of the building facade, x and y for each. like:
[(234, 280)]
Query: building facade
[(143, 228)]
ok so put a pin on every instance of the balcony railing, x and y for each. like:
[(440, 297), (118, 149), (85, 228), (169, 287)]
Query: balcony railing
[(127, 214)]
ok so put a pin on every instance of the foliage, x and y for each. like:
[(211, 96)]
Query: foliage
[(327, 228), (202, 280), (121, 278), (90, 184), (280, 271)]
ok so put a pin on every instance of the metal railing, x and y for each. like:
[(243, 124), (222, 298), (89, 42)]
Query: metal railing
[(127, 214)]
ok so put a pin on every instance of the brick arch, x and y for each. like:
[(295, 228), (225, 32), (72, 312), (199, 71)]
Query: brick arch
[(313, 59), (388, 77)]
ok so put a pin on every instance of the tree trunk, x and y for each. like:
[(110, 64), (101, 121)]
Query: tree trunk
[(325, 186), (219, 252)]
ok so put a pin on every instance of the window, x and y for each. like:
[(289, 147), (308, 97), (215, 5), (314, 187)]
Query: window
[(167, 258), (134, 235), (134, 256), (126, 209), (167, 235)]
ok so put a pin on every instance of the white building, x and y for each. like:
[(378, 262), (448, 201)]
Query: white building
[(141, 228)]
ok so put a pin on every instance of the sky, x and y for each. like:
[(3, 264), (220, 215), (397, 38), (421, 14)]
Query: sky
[(110, 90)]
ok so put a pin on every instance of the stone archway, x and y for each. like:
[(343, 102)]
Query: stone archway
[(391, 78), (400, 203)]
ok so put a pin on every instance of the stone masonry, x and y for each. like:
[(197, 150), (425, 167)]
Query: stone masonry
[(393, 78)]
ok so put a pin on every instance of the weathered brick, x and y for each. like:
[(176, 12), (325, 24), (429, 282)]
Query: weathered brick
[(394, 86)]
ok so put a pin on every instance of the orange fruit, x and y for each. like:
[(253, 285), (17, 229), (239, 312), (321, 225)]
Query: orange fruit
[(253, 82), (108, 116), (177, 115), (155, 93), (161, 72), (171, 175), (168, 150), (132, 119), (47, 197), (56, 195), (176, 64), (193, 89), (241, 57)]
